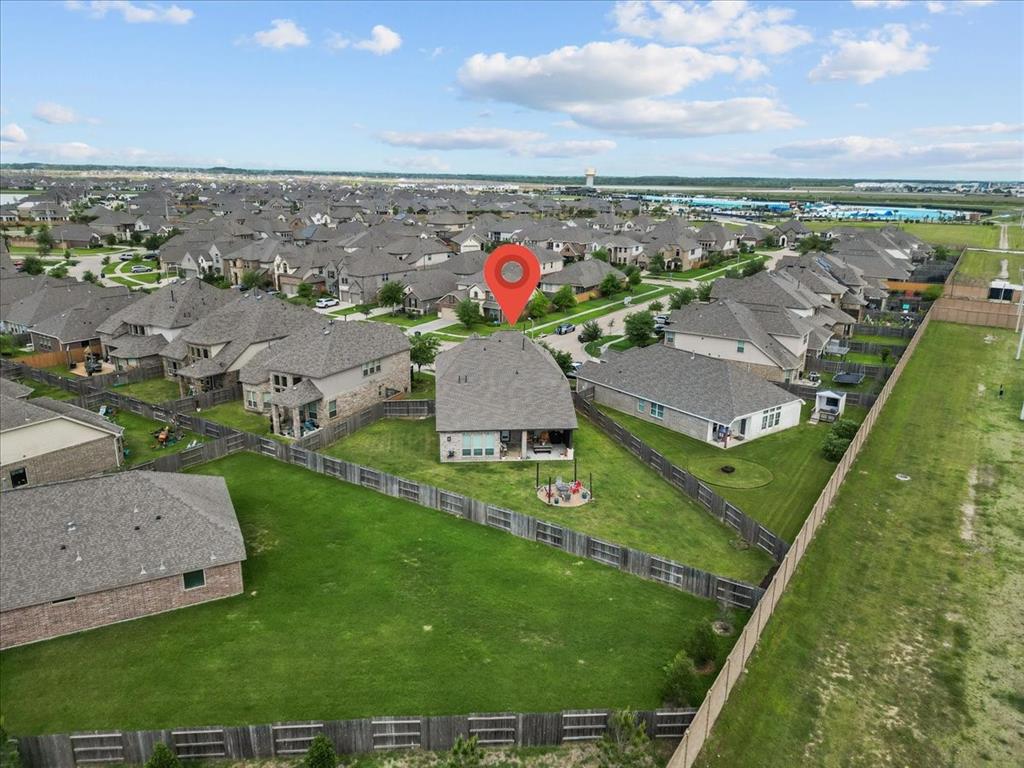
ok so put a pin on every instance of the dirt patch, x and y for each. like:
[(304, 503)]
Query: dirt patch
[(723, 628), (259, 540), (968, 508)]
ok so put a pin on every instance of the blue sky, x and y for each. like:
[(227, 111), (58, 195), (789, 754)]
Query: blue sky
[(871, 88)]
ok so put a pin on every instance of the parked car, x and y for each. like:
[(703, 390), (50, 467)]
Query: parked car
[(139, 269), (575, 367), (327, 301), (662, 319), (564, 328), (125, 256), (659, 329)]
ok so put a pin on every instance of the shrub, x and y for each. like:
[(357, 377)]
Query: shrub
[(639, 327), (704, 290), (681, 298), (468, 313), (703, 646), (625, 744), (320, 753), (655, 306), (835, 447), (538, 306), (932, 292), (610, 285), (590, 331), (682, 687), (105, 260), (564, 299), (466, 753), (162, 757), (845, 429)]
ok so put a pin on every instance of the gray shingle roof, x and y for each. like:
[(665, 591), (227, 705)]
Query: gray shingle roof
[(728, 319), (13, 389), (115, 530), (16, 412), (172, 306), (582, 274), (502, 381), (298, 394), (717, 390)]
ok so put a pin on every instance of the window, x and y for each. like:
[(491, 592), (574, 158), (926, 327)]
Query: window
[(197, 352), (657, 410), (332, 408), (252, 399), (194, 579), (740, 346), (641, 406), (771, 417), (137, 330), (477, 443), (371, 367), (670, 337), (280, 383), (19, 477)]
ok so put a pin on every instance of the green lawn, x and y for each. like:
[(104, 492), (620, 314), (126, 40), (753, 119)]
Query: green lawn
[(984, 265), (858, 357), (403, 320), (952, 234), (889, 341), (234, 415), (790, 460), (632, 504), (141, 443), (898, 640), (1015, 235), (423, 386), (358, 604), (586, 310), (717, 269), (868, 385), (593, 348), (63, 371), (39, 389), (158, 390)]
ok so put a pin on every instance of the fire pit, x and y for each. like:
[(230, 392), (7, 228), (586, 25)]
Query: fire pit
[(728, 469)]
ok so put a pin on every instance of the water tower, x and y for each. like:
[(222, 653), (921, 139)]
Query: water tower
[(590, 174)]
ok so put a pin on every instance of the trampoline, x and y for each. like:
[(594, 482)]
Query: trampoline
[(848, 378)]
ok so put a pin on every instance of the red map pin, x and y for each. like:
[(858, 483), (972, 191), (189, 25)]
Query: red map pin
[(512, 295)]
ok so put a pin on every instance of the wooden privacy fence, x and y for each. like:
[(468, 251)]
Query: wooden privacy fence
[(747, 527), (393, 409), (874, 348), (365, 735), (883, 330), (968, 312), (806, 392), (700, 728), (81, 385), (840, 366)]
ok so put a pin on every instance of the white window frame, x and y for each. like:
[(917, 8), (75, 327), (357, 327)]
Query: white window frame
[(657, 411)]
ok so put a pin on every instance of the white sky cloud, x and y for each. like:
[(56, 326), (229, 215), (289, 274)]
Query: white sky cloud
[(382, 41), (655, 118), (134, 13), (871, 151), (283, 33), (732, 25), (957, 130), (71, 151), (55, 114), (13, 132), (884, 52), (518, 143), (419, 164), (887, 4)]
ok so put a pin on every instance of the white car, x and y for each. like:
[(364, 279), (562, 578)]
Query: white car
[(327, 302)]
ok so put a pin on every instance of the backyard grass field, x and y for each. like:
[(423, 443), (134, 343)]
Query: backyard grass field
[(358, 604), (157, 390), (140, 441), (898, 641), (783, 473), (234, 415), (951, 234), (632, 504), (40, 389), (984, 265), (424, 386)]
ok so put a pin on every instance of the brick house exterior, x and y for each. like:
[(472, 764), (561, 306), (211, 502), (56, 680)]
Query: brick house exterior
[(42, 622)]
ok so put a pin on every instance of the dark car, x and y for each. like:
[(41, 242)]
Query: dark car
[(564, 328)]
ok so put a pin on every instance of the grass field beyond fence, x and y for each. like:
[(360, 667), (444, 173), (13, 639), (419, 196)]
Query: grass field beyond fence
[(358, 604), (951, 234), (898, 641), (632, 504)]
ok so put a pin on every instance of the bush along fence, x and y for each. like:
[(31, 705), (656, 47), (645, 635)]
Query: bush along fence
[(700, 728), (291, 739), (747, 527)]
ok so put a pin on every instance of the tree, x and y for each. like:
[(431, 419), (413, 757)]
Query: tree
[(625, 744), (752, 267), (942, 253), (59, 271), (466, 753), (703, 647), (320, 754), (657, 263), (639, 328), (153, 242), (252, 278), (162, 757), (468, 313), (564, 299), (33, 265), (304, 291), (600, 254), (681, 298), (932, 292), (834, 446), (885, 355), (538, 306), (44, 240), (814, 242), (105, 260), (135, 237), (682, 687), (9, 755), (391, 294), (845, 429), (633, 275), (564, 359), (610, 285), (423, 350), (704, 290), (29, 229), (655, 306), (89, 276), (110, 240), (590, 331)]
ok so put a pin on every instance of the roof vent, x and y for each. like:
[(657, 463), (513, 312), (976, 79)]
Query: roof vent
[(71, 526), (78, 556), (142, 571)]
